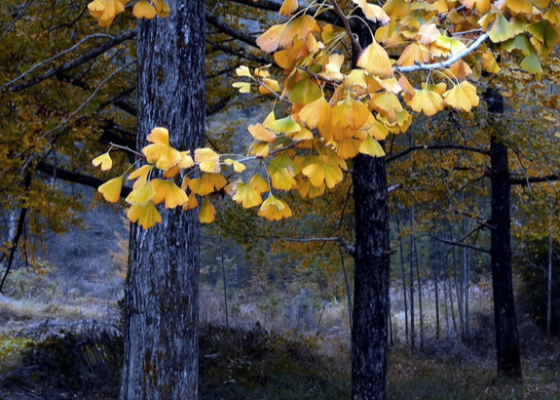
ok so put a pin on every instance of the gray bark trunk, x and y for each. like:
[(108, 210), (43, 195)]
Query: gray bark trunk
[(161, 314)]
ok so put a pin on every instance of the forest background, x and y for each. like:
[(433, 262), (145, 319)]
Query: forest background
[(64, 110)]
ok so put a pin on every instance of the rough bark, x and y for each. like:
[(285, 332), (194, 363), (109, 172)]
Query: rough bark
[(371, 280), (161, 348), (507, 336)]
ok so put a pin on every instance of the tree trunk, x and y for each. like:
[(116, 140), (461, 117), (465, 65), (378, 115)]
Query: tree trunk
[(371, 280), (161, 315), (507, 337)]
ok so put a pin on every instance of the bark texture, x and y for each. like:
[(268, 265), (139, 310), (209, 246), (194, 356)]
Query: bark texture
[(507, 336), (161, 328), (371, 280)]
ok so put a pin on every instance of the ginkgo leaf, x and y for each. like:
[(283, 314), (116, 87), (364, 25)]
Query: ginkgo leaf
[(163, 156), (274, 209), (532, 64), (315, 173), (386, 104), (159, 135), (285, 125), (372, 11), (260, 149), (348, 148), (208, 160), (303, 134), (259, 132), (553, 15), (141, 175), (168, 191), (371, 147), (379, 131), (462, 97), (147, 214), (268, 86), (206, 184), (459, 70), (192, 203), (281, 179), (271, 40), (244, 87), (207, 212), (349, 114), (258, 183), (288, 8), (397, 9), (141, 195), (519, 6), (414, 53), (446, 46), (315, 113), (548, 34), (427, 100), (243, 71), (111, 190), (186, 161), (501, 29), (482, 6), (237, 166), (520, 42), (244, 194), (104, 160), (144, 10), (489, 63), (300, 27), (304, 92), (375, 60), (162, 8), (105, 10), (331, 69)]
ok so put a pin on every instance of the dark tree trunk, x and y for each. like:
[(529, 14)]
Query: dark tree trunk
[(371, 280), (371, 271), (161, 328), (507, 337)]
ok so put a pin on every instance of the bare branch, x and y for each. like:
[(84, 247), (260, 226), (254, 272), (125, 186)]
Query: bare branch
[(228, 30), (447, 63), (459, 244), (78, 61), (437, 147)]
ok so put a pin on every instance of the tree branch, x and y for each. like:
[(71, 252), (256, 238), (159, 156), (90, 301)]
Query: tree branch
[(78, 61), (447, 63), (228, 30), (438, 147), (459, 244)]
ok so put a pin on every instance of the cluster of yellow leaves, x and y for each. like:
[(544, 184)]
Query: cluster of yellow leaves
[(106, 10), (175, 188)]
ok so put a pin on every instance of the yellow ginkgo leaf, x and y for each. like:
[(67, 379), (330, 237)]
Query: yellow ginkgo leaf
[(274, 209), (259, 132), (244, 194), (375, 60), (489, 63), (144, 10), (162, 155), (192, 203), (207, 212), (162, 8), (269, 86), (482, 6), (288, 8), (237, 166), (331, 70), (168, 191), (427, 100), (141, 175), (282, 179), (104, 160), (459, 70), (315, 173), (414, 53), (208, 160), (519, 6), (501, 29), (159, 135), (111, 190), (348, 148), (272, 39), (244, 87), (147, 214), (243, 71), (462, 97), (106, 10), (349, 114), (372, 11), (258, 183), (259, 149), (285, 125), (141, 195), (315, 113), (371, 147), (186, 160), (206, 184)]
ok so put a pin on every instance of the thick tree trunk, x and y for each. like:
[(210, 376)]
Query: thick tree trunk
[(371, 280), (161, 351), (507, 337)]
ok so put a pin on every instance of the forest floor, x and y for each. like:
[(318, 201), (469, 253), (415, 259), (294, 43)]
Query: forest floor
[(60, 338)]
